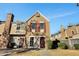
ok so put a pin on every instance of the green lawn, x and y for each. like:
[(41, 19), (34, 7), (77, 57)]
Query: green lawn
[(53, 52)]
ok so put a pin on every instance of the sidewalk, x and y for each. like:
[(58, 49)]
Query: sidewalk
[(6, 52)]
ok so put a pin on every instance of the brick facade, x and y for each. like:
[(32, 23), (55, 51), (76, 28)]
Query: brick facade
[(4, 38), (70, 31), (23, 35), (38, 19)]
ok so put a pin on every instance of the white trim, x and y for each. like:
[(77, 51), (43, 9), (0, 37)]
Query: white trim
[(41, 30), (37, 36), (33, 30), (40, 14), (29, 43), (41, 21)]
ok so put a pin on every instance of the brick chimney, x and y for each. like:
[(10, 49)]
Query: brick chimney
[(6, 32)]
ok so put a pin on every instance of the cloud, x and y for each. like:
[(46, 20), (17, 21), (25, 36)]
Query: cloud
[(64, 14)]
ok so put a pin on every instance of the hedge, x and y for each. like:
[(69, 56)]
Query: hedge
[(62, 46), (49, 43), (76, 46)]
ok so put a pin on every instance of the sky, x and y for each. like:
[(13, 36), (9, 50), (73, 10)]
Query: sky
[(57, 13)]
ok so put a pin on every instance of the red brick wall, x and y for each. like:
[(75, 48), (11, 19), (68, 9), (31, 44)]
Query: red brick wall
[(37, 26)]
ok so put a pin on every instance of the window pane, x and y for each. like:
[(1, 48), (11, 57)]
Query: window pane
[(31, 41), (33, 25), (18, 27), (41, 25)]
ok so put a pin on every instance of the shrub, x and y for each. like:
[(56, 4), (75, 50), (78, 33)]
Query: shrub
[(49, 43), (62, 46), (76, 46)]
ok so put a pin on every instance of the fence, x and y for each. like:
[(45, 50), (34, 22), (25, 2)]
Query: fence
[(70, 42)]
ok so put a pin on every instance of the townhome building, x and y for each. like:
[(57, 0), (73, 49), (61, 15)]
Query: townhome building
[(30, 34)]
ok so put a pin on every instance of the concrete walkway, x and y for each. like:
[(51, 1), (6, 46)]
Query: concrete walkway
[(12, 51)]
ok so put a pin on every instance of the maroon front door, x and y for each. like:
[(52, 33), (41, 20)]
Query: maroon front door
[(42, 42)]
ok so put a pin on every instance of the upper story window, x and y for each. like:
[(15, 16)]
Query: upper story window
[(33, 25), (18, 27), (41, 25)]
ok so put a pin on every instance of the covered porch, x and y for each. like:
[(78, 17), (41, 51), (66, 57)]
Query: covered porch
[(36, 42)]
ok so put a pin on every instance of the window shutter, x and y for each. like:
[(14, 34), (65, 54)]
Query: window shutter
[(45, 26), (37, 26)]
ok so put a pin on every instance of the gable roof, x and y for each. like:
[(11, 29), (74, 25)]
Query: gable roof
[(40, 14)]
